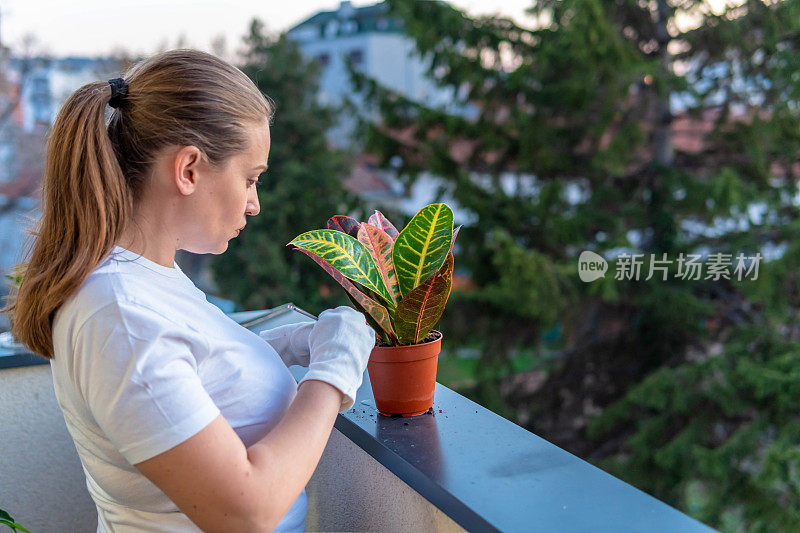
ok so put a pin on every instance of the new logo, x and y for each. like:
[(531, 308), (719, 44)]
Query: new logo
[(591, 266)]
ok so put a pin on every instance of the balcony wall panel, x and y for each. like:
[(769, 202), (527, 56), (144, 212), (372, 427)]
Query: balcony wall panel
[(351, 490), (42, 484)]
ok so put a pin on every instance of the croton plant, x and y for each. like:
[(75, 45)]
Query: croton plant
[(400, 281)]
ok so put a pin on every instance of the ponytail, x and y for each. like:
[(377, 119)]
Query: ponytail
[(85, 202)]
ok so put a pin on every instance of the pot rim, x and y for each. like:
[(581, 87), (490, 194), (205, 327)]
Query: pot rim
[(437, 339), (409, 352)]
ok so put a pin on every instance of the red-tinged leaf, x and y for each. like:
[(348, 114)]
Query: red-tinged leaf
[(371, 321), (379, 245), (421, 309), (379, 221), (375, 310), (345, 224)]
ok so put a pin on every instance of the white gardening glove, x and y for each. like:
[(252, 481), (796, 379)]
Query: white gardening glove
[(340, 344), (291, 342)]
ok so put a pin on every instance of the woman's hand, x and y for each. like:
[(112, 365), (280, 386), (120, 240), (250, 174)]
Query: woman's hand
[(340, 343), (291, 342)]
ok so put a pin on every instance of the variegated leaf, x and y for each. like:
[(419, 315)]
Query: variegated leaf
[(348, 256), (379, 245), (376, 311), (420, 310), (374, 295), (379, 221), (345, 224), (422, 246)]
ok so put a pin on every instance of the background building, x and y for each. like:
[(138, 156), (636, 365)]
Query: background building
[(377, 46)]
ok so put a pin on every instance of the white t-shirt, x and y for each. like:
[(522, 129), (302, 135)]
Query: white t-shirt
[(142, 361)]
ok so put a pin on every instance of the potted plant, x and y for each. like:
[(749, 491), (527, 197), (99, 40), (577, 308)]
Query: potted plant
[(400, 281)]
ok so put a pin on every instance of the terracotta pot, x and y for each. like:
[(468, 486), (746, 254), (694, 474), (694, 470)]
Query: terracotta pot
[(403, 378)]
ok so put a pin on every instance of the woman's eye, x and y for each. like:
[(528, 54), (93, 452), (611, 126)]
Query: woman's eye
[(252, 182)]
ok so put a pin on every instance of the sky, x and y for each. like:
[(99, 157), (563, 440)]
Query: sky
[(98, 27)]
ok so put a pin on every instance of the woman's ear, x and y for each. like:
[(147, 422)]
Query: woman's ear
[(185, 169)]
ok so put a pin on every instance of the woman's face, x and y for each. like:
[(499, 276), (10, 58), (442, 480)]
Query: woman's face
[(224, 198)]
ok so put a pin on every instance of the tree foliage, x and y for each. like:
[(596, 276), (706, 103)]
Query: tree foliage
[(658, 127), (301, 189)]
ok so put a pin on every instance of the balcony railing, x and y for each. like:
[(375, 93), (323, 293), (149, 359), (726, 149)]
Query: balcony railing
[(460, 467)]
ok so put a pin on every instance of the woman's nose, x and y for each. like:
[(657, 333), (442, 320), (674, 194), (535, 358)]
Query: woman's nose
[(253, 207)]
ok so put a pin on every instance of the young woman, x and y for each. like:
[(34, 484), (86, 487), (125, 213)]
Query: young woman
[(182, 418)]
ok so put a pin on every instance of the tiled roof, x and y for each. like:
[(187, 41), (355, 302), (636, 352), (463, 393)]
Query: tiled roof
[(366, 178), (366, 17), (26, 184)]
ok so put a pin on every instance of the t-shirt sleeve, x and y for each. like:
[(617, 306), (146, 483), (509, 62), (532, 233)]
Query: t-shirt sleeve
[(139, 378)]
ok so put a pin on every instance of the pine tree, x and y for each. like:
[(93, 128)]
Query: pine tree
[(301, 189), (627, 128)]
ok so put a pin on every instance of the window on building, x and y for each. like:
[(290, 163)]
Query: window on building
[(357, 56), (332, 29), (40, 88)]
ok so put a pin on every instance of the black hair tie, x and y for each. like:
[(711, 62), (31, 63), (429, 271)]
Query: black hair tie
[(119, 91)]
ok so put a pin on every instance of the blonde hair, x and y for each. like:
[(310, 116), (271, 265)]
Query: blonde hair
[(94, 174)]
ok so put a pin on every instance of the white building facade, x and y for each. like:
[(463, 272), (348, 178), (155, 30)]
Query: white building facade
[(377, 46)]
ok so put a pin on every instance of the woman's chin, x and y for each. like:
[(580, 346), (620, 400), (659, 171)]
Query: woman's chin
[(214, 249)]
